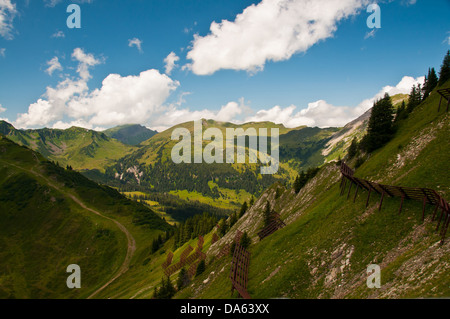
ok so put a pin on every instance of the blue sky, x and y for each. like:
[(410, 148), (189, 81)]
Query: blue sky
[(262, 63)]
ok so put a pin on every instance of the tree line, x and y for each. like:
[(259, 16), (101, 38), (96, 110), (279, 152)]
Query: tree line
[(384, 120)]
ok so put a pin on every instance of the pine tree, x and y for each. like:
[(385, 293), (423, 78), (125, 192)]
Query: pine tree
[(233, 219), (415, 97), (297, 184), (267, 214), (444, 74), (155, 246), (244, 208), (380, 128), (245, 240), (431, 81), (353, 149), (183, 279), (223, 227), (252, 201), (166, 291), (401, 113), (200, 268)]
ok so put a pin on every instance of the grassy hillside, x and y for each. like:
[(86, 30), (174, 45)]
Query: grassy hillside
[(329, 241), (51, 217), (150, 168), (78, 147), (131, 134)]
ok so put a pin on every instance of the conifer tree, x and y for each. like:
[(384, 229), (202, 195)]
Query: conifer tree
[(380, 128), (431, 81), (245, 240), (200, 268), (183, 279), (267, 214), (353, 149), (415, 97), (244, 208), (444, 74)]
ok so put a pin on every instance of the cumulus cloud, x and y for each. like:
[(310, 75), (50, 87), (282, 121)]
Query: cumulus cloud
[(53, 104), (170, 61), (323, 114), (137, 43), (8, 12), (272, 30), (2, 109), (85, 62), (174, 115), (53, 65), (403, 87), (2, 52), (119, 100)]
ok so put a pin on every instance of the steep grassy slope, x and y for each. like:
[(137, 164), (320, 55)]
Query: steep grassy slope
[(329, 241), (80, 148), (131, 134), (51, 218)]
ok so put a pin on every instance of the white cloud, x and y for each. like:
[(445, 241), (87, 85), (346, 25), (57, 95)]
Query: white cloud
[(120, 100), (85, 61), (53, 65), (40, 113), (170, 61), (135, 42), (58, 34), (173, 115), (323, 114), (2, 52), (2, 109), (403, 87), (272, 30), (52, 106), (319, 113), (8, 12)]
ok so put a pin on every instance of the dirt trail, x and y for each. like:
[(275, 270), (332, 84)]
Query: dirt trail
[(131, 247)]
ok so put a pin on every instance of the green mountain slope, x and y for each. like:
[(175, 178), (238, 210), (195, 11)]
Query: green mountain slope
[(80, 148), (150, 168), (51, 217), (131, 134), (329, 240)]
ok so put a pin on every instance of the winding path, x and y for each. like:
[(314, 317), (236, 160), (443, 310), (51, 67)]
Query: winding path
[(131, 247)]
